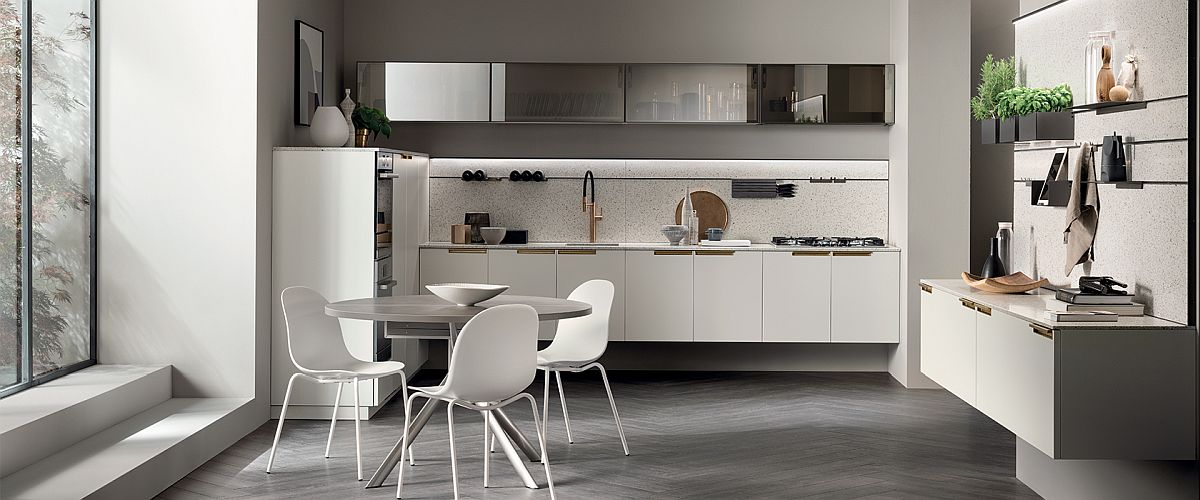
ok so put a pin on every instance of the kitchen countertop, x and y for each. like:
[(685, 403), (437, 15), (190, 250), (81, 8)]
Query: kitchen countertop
[(761, 247), (1030, 306)]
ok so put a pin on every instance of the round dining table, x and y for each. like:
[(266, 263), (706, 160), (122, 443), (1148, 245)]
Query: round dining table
[(431, 309)]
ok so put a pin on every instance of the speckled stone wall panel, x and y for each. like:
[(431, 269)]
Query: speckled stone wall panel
[(1159, 161)]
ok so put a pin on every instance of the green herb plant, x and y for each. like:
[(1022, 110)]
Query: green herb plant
[(995, 76), (1022, 101), (373, 120)]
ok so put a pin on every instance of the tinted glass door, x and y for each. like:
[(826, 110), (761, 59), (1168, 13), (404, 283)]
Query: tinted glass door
[(530, 92)]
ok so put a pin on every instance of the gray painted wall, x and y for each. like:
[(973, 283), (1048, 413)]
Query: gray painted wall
[(991, 165), (712, 31)]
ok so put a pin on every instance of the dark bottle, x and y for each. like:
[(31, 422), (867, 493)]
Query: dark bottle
[(467, 175), (993, 267), (538, 176), (480, 176), (514, 176), (527, 176)]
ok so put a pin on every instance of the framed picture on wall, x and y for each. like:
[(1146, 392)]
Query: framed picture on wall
[(310, 71)]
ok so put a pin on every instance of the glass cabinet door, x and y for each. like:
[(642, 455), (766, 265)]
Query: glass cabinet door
[(828, 93), (692, 93), (531, 92), (429, 92)]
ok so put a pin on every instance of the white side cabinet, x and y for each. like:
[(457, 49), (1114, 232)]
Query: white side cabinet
[(865, 304), (948, 342), (727, 293), (454, 265), (1020, 396), (795, 296), (576, 266), (526, 272), (658, 300)]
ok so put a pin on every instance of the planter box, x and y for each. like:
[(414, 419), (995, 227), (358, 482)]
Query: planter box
[(989, 131), (1059, 125), (1008, 130)]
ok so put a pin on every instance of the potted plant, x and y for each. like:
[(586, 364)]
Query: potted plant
[(369, 121), (995, 76), (1036, 114)]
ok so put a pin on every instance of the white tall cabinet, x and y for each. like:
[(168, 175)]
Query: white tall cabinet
[(325, 206)]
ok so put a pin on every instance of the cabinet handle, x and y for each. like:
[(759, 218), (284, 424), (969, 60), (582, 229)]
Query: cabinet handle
[(800, 254), (714, 252), (926, 288), (983, 309), (672, 252), (536, 251), (967, 303), (467, 250), (852, 254), (1043, 331), (577, 252)]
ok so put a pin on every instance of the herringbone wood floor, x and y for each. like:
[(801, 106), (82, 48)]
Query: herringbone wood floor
[(692, 435)]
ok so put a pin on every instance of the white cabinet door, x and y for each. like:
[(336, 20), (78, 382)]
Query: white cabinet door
[(455, 265), (865, 297), (948, 342), (526, 272), (795, 296), (727, 293), (658, 297), (1015, 377), (578, 266)]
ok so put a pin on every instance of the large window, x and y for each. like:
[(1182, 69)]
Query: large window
[(47, 190)]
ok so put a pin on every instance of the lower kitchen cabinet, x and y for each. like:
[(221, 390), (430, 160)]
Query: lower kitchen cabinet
[(727, 295), (454, 265), (526, 272), (795, 296), (658, 297), (1018, 395), (576, 266), (864, 297), (948, 342)]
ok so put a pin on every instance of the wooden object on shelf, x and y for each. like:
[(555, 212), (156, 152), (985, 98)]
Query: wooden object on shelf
[(710, 208), (1105, 80), (1013, 283)]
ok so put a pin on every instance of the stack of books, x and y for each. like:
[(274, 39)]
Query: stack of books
[(1078, 306)]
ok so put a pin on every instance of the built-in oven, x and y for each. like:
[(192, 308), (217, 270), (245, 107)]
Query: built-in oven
[(385, 281)]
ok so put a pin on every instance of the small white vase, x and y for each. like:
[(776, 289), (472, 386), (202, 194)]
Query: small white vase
[(328, 127), (347, 106)]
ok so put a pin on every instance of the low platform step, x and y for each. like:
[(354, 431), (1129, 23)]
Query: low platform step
[(136, 458)]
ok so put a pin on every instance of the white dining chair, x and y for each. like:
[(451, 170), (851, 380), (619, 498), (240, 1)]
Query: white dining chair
[(319, 352), (493, 361), (577, 344)]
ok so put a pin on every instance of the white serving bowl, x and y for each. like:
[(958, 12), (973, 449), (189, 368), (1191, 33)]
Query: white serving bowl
[(674, 233), (466, 294), (492, 235)]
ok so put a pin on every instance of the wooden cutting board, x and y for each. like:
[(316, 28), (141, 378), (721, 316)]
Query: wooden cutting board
[(710, 209)]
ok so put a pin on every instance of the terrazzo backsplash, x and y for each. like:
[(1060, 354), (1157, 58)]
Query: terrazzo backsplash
[(639, 196)]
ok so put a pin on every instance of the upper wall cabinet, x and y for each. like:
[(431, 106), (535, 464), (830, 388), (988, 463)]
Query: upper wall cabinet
[(689, 93), (531, 92), (427, 91), (828, 93)]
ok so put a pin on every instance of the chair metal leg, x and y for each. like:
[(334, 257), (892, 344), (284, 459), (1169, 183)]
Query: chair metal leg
[(563, 399), (613, 403), (487, 444), (453, 457), (546, 402), (287, 395), (412, 459), (357, 439), (333, 420), (404, 444), (542, 443)]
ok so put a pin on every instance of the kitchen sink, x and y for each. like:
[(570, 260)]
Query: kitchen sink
[(593, 244)]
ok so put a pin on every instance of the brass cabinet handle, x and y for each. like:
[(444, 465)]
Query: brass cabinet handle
[(577, 252), (983, 309), (926, 288), (1043, 331), (967, 303), (672, 252), (802, 253), (714, 252), (852, 254), (467, 250), (536, 251)]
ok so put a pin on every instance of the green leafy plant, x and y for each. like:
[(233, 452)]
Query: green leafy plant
[(1022, 101), (995, 76), (373, 120)]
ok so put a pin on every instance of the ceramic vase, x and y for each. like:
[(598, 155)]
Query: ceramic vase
[(328, 128), (347, 106), (993, 267)]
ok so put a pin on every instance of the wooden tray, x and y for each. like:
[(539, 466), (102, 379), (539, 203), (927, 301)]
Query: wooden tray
[(1013, 283), (710, 209)]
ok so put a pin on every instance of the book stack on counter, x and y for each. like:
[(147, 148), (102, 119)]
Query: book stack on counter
[(1075, 306)]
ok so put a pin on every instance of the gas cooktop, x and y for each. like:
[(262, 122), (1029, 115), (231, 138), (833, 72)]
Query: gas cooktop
[(827, 241)]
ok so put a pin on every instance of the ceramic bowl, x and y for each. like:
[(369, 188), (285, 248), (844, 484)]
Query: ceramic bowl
[(492, 235), (674, 233), (466, 294)]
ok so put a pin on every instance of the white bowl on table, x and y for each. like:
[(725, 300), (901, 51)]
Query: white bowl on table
[(466, 294)]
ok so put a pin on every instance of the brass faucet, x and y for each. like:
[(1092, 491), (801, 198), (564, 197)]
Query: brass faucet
[(594, 214)]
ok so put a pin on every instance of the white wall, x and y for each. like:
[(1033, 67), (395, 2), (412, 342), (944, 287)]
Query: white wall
[(176, 182)]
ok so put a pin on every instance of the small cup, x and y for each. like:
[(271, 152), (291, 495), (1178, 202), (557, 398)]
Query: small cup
[(715, 233)]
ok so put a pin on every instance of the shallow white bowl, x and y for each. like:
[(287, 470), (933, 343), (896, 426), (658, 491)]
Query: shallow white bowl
[(466, 294), (492, 235)]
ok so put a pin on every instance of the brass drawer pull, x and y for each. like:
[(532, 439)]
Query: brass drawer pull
[(672, 252), (467, 250), (801, 254), (983, 309), (536, 251), (852, 254), (577, 252), (967, 303), (926, 288), (714, 252), (1043, 331)]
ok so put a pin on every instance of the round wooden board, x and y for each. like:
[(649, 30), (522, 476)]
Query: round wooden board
[(710, 209)]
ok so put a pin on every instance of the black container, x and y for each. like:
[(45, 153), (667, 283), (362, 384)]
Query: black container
[(526, 176), (477, 220), (538, 176), (1053, 126), (515, 237), (1112, 160), (514, 176), (479, 175), (467, 175), (993, 267), (1008, 130), (989, 131)]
